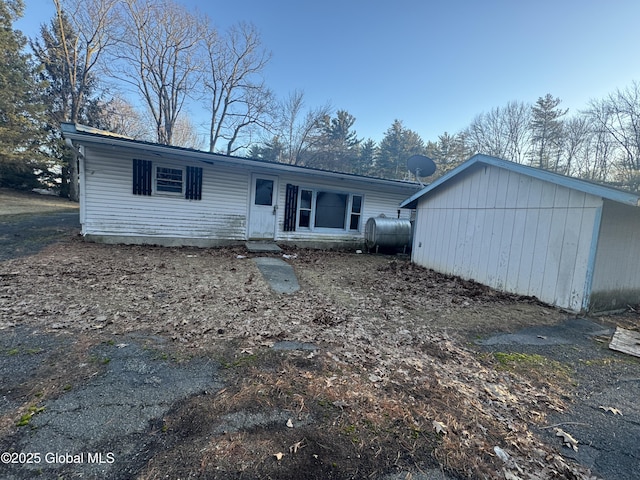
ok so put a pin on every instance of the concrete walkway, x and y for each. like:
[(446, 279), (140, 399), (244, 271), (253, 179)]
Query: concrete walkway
[(279, 274)]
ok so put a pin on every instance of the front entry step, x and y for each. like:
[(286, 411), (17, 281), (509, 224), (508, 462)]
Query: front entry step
[(262, 247)]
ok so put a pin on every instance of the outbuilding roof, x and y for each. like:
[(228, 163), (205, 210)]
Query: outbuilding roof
[(592, 188), (89, 135)]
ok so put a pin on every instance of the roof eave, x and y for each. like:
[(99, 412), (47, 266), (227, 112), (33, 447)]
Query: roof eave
[(94, 136), (597, 190)]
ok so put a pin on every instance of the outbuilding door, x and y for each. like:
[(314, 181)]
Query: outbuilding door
[(263, 208)]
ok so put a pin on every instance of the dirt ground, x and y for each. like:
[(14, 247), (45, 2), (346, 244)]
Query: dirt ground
[(371, 368)]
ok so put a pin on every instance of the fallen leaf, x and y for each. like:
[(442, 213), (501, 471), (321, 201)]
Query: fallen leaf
[(329, 381), (439, 427), (510, 476), (615, 411), (567, 439), (296, 446)]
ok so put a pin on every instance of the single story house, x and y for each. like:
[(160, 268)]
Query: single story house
[(145, 193), (570, 243)]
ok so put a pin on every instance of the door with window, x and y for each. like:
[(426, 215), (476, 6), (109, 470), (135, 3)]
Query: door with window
[(264, 207)]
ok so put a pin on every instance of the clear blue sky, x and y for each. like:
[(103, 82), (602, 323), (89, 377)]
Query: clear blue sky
[(434, 65)]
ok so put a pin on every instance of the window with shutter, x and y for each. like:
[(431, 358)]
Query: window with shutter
[(290, 208), (193, 190), (142, 177)]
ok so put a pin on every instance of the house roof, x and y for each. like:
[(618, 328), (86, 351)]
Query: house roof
[(596, 189), (89, 135)]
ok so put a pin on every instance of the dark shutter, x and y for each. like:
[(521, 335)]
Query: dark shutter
[(141, 177), (290, 208), (193, 190)]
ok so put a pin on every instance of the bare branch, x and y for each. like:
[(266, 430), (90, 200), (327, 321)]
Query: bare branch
[(157, 55), (238, 98)]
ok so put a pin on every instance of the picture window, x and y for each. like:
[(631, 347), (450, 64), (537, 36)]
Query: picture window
[(320, 209)]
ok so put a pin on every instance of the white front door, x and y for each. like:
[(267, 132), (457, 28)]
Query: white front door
[(263, 208)]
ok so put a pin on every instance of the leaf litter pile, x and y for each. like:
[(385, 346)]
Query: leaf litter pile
[(379, 376)]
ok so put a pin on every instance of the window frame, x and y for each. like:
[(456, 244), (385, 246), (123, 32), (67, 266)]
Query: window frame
[(313, 210), (351, 213), (157, 191)]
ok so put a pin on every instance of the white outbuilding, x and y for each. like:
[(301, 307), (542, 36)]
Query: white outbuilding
[(570, 243)]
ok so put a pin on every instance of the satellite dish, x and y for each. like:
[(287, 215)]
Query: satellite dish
[(421, 166)]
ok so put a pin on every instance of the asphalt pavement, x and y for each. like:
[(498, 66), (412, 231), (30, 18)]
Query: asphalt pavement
[(603, 413), (100, 428), (27, 234)]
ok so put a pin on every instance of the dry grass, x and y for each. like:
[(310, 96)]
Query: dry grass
[(14, 202)]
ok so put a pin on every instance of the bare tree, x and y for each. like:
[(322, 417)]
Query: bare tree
[(186, 135), (487, 135), (517, 116), (301, 132), (619, 116), (92, 22), (240, 102), (577, 134), (596, 159), (158, 56), (121, 117), (502, 132)]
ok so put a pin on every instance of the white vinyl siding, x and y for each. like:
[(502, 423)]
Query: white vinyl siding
[(112, 209)]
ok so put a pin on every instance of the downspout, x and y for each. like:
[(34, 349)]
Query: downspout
[(78, 157), (593, 250)]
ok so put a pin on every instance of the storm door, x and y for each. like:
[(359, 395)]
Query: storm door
[(264, 207)]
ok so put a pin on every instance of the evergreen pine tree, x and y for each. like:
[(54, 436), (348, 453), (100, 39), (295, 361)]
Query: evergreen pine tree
[(69, 93), (20, 106), (547, 135), (399, 143)]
